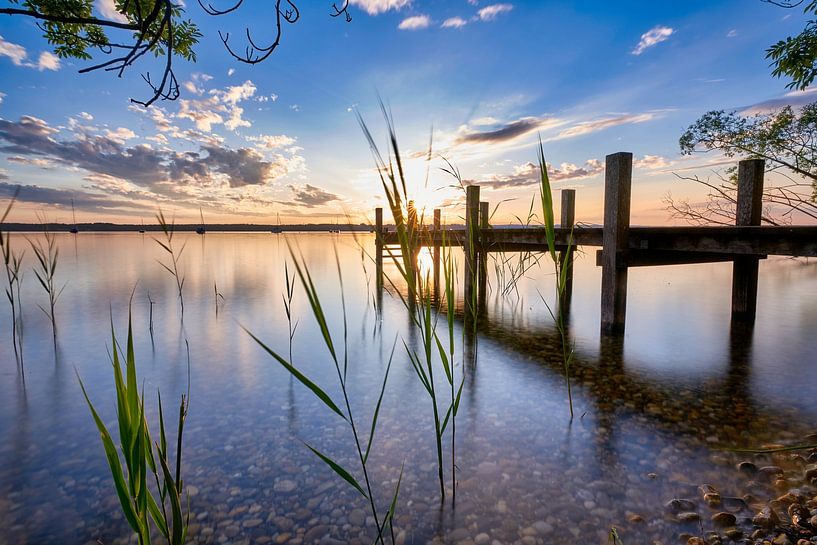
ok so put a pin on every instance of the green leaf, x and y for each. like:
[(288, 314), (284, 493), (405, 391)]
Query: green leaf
[(323, 396), (115, 465), (337, 468), (379, 401)]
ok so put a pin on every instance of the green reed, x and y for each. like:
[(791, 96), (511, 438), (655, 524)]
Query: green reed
[(419, 300), (341, 364), (613, 537), (562, 264), (143, 457), (12, 265), (168, 230), (45, 269), (287, 297)]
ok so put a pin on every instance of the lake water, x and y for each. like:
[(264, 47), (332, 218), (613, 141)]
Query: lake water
[(656, 414)]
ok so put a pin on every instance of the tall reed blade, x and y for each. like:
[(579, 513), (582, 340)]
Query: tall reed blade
[(136, 458), (562, 271)]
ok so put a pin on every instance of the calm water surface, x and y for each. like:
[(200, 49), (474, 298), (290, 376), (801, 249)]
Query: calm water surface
[(656, 414)]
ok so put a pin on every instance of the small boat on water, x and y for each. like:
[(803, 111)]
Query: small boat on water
[(201, 230), (73, 228), (277, 228)]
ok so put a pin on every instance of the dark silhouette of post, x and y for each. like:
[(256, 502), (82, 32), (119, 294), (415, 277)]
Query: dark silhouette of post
[(617, 183), (748, 212), (472, 232), (567, 221), (378, 245), (482, 278), (435, 234)]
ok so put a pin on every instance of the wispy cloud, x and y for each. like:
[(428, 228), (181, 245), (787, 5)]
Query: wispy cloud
[(19, 56), (415, 22), (375, 7), (489, 13), (107, 8), (48, 61), (527, 174), (794, 99), (587, 127), (518, 128), (652, 37), (506, 132), (220, 107), (454, 22), (311, 196), (17, 53)]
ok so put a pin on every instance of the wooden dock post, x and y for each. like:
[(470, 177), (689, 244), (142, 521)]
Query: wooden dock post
[(748, 212), (378, 245), (472, 233), (567, 221), (436, 253), (482, 263), (617, 185)]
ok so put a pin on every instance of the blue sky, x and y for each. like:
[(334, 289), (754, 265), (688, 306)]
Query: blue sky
[(252, 143)]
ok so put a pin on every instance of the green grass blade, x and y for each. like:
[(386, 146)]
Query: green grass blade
[(337, 468), (115, 465), (323, 396), (379, 402), (179, 527)]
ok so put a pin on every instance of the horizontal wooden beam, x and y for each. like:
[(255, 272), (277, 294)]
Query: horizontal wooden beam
[(739, 240), (653, 258)]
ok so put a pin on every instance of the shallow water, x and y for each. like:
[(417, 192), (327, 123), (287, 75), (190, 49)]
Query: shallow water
[(656, 414)]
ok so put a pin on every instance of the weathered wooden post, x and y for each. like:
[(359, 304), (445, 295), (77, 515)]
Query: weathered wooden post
[(482, 273), (435, 236), (470, 246), (567, 221), (378, 245), (484, 214), (748, 212), (617, 183)]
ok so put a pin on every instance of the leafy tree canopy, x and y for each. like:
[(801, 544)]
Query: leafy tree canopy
[(140, 28)]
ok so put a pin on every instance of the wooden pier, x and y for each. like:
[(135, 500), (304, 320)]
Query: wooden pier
[(622, 246)]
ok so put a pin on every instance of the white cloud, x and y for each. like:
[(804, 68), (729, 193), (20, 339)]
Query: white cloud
[(221, 107), (489, 13), (48, 61), (654, 36), (652, 162), (415, 22), (375, 7), (231, 71), (237, 93), (732, 33), (191, 87), (17, 53), (107, 8), (588, 127), (120, 135), (454, 22), (486, 120), (86, 116), (270, 141), (2, 96)]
